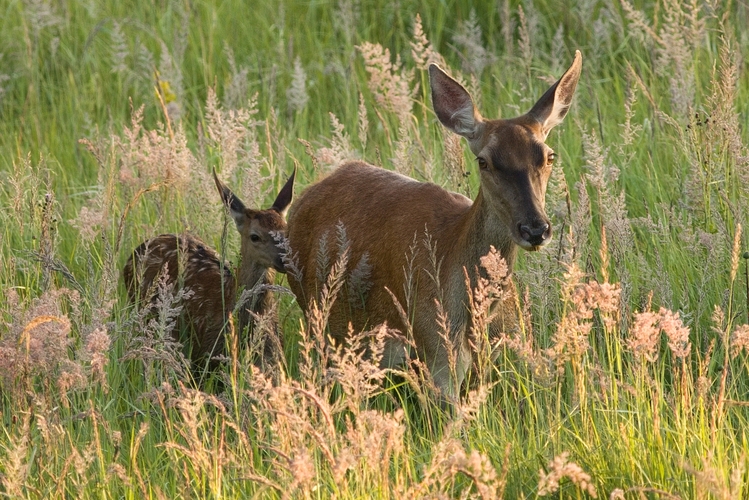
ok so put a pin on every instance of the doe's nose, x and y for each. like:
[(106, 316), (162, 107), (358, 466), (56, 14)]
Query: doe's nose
[(536, 234)]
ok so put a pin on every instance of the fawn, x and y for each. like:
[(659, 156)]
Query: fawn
[(195, 266)]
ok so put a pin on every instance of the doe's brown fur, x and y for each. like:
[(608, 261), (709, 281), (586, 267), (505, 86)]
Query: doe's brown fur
[(384, 213)]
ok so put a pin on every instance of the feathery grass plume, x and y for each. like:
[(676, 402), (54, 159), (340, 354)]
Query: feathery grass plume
[(94, 215), (467, 408), (645, 331), (346, 16), (47, 238), (118, 49), (4, 78), (89, 221), (736, 253), (143, 63), (644, 336), (297, 422), (630, 132), (233, 135), (16, 463), (739, 340), (337, 276), (675, 39), (522, 343), (236, 90), (151, 342), (449, 463), (363, 123), (570, 340), (169, 79), (405, 158), (421, 48), (559, 209), (265, 342), (713, 482), (296, 95), (25, 185), (581, 220), (617, 494), (339, 150), (389, 81), (322, 258), (356, 365), (314, 352), (484, 300), (602, 29), (676, 332), (96, 351), (453, 161), (359, 282), (507, 25), (557, 56), (524, 43), (724, 113), (469, 38), (601, 175), (639, 27), (376, 439), (201, 453), (41, 15), (559, 468), (290, 260), (36, 348), (149, 156), (527, 31)]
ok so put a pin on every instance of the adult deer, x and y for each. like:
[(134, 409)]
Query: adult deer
[(384, 212), (197, 267)]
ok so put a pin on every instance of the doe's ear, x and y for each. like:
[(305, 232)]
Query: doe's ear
[(453, 104), (234, 204), (285, 195), (551, 109)]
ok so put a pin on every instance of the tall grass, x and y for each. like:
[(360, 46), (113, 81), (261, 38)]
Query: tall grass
[(628, 378)]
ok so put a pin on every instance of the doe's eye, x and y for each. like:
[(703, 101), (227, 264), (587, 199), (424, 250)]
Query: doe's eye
[(254, 238), (482, 163), (551, 157)]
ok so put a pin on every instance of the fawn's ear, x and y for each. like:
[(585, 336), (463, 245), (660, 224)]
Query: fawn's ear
[(453, 104), (283, 200), (236, 207), (551, 109)]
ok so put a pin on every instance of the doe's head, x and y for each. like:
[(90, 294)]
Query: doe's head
[(513, 159)]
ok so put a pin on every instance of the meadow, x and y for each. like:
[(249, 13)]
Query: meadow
[(629, 377)]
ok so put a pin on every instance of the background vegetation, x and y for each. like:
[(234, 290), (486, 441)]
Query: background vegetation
[(629, 379)]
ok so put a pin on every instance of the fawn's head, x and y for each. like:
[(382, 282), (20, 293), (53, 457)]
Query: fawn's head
[(514, 161), (259, 229)]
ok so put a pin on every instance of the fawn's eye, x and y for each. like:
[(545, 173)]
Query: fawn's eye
[(254, 238), (551, 157), (482, 163)]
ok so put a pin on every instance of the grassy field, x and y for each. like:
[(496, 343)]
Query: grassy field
[(629, 378)]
